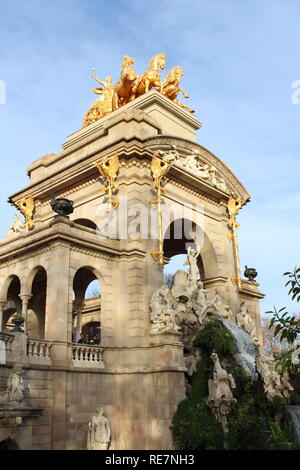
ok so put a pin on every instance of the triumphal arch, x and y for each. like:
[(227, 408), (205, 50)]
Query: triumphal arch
[(129, 190)]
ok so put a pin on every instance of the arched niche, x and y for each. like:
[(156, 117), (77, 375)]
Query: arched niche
[(13, 304), (37, 285), (86, 302)]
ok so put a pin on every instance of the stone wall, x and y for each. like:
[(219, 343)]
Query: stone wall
[(139, 407)]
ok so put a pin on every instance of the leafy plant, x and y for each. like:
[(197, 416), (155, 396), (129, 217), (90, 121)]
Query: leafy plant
[(18, 316), (216, 337), (279, 439), (288, 327), (194, 426)]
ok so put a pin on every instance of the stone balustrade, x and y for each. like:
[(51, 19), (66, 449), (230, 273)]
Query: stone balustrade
[(6, 340), (87, 356), (38, 350)]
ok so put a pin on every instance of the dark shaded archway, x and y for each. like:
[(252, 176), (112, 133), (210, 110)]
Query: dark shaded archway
[(14, 303), (9, 444), (176, 241), (37, 305), (87, 290), (86, 223)]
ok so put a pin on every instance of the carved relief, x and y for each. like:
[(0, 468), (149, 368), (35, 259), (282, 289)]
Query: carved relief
[(203, 171)]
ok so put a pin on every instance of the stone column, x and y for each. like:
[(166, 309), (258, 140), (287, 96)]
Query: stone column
[(25, 301), (79, 306), (2, 305), (57, 303)]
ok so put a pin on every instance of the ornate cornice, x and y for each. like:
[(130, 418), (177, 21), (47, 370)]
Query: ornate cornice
[(19, 258)]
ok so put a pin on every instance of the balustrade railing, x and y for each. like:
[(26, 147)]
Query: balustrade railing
[(7, 339), (38, 349), (87, 355)]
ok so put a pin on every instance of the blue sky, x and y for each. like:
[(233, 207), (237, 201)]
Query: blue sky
[(240, 59)]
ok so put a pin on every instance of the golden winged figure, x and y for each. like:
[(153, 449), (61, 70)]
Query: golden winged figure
[(26, 206), (108, 167), (234, 206), (159, 168)]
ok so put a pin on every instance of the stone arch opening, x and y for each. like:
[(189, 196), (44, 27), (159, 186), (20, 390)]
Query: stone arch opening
[(87, 305), (12, 289), (36, 312), (86, 223), (176, 242)]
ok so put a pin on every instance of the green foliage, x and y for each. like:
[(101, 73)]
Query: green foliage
[(294, 284), (287, 327), (194, 428), (248, 423), (246, 431), (284, 361), (295, 399), (216, 337), (280, 439)]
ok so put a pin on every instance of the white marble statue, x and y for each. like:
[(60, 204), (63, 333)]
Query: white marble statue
[(15, 385), (295, 358), (180, 284), (162, 312), (200, 302), (99, 433), (191, 361), (246, 322), (222, 310), (275, 384), (220, 398), (18, 226), (193, 273)]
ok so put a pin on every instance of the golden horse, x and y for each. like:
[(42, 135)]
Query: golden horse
[(171, 88), (123, 88), (150, 78)]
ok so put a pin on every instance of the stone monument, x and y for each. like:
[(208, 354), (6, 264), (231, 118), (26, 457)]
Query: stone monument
[(131, 189)]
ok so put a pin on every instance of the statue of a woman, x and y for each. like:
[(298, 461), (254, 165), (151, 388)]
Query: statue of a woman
[(15, 385), (99, 431)]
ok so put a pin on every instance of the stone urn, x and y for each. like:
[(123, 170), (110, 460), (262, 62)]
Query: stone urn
[(250, 273), (63, 207), (18, 321)]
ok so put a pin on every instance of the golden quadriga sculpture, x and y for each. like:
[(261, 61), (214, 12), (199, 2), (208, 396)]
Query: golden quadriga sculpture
[(131, 86)]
